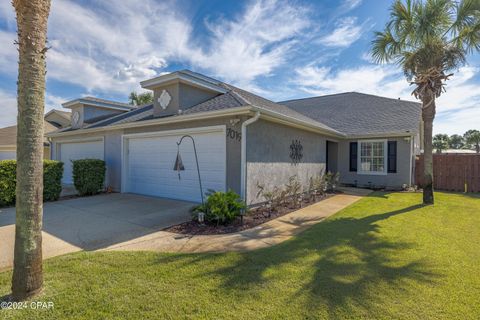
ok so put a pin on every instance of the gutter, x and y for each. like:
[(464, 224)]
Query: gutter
[(288, 120), (159, 121), (243, 165)]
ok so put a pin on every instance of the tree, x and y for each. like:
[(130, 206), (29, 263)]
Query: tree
[(140, 99), (456, 141), (473, 137), (32, 17), (440, 142), (428, 39)]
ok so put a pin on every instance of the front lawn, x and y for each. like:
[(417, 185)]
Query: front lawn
[(383, 257)]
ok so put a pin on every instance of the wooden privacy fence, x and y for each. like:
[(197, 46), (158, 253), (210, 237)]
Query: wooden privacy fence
[(452, 172)]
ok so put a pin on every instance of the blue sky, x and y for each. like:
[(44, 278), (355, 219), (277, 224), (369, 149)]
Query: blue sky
[(277, 48)]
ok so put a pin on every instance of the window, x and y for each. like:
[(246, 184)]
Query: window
[(372, 155)]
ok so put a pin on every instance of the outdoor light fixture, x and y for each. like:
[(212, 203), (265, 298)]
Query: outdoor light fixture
[(201, 217), (179, 164)]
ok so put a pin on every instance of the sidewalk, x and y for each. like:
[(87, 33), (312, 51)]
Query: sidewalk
[(264, 235)]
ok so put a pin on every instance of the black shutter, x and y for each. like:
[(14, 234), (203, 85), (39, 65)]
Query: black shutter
[(392, 157), (353, 156)]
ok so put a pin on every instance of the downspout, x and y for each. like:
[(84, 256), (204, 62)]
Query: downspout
[(243, 169)]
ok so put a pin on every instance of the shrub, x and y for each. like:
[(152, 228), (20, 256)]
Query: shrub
[(221, 207), (293, 188), (332, 180), (275, 197), (52, 181), (88, 176), (8, 180)]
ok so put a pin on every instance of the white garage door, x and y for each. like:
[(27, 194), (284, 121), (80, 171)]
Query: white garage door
[(8, 155), (76, 151), (150, 161)]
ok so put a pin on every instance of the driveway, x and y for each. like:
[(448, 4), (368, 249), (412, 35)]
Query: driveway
[(95, 222)]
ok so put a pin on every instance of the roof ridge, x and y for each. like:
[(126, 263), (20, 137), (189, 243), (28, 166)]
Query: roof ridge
[(348, 92)]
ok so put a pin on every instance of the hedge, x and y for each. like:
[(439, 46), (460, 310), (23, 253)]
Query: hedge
[(88, 176), (52, 181), (8, 180)]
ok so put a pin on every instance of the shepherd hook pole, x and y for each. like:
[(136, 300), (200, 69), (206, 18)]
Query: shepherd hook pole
[(196, 160)]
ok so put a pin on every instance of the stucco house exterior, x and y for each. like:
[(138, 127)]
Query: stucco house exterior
[(53, 120), (241, 138)]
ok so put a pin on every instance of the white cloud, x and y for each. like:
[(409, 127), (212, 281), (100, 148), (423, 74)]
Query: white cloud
[(9, 109), (54, 102), (379, 80), (254, 43), (110, 47), (346, 32), (8, 52), (348, 5), (457, 109), (458, 121)]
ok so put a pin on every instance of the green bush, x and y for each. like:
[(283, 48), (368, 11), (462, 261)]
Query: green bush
[(221, 207), (52, 181), (8, 180), (88, 176)]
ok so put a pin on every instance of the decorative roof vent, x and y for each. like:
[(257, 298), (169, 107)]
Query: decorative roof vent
[(164, 99)]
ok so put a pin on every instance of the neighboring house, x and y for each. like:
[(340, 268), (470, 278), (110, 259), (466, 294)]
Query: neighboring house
[(241, 139), (54, 120)]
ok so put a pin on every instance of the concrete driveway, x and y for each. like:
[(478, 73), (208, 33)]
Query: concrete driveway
[(95, 222)]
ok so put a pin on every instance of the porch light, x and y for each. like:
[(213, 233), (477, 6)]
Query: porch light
[(178, 166)]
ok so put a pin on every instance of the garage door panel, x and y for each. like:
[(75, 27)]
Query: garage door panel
[(150, 162), (76, 151)]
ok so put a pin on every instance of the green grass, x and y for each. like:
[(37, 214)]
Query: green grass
[(384, 257)]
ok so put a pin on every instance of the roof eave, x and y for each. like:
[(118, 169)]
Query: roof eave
[(382, 135), (159, 121), (72, 103), (184, 77), (278, 117)]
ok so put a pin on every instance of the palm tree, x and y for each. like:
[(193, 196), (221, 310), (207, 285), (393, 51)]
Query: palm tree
[(140, 99), (428, 40), (32, 16), (440, 142), (472, 137)]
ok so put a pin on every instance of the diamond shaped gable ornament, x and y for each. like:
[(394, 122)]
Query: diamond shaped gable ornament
[(164, 99)]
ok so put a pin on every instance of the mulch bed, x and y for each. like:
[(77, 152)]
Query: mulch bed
[(253, 218)]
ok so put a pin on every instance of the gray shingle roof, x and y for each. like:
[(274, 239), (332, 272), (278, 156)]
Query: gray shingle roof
[(350, 113), (116, 103), (135, 115), (359, 114)]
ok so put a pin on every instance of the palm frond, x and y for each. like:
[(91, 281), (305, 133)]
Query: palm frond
[(385, 47), (467, 15)]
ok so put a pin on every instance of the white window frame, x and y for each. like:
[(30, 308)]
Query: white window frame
[(385, 157)]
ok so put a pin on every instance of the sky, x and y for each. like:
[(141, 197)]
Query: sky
[(279, 49)]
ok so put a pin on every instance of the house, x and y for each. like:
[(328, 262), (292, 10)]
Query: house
[(54, 120), (241, 139)]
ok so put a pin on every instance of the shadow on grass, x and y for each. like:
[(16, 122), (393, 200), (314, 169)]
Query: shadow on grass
[(341, 261)]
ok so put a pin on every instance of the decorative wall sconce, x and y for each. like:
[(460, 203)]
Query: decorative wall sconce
[(296, 151)]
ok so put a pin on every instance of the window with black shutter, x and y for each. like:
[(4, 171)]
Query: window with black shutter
[(353, 156), (392, 157)]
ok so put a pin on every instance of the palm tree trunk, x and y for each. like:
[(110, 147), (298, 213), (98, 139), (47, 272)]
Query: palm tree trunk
[(32, 16), (428, 114)]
